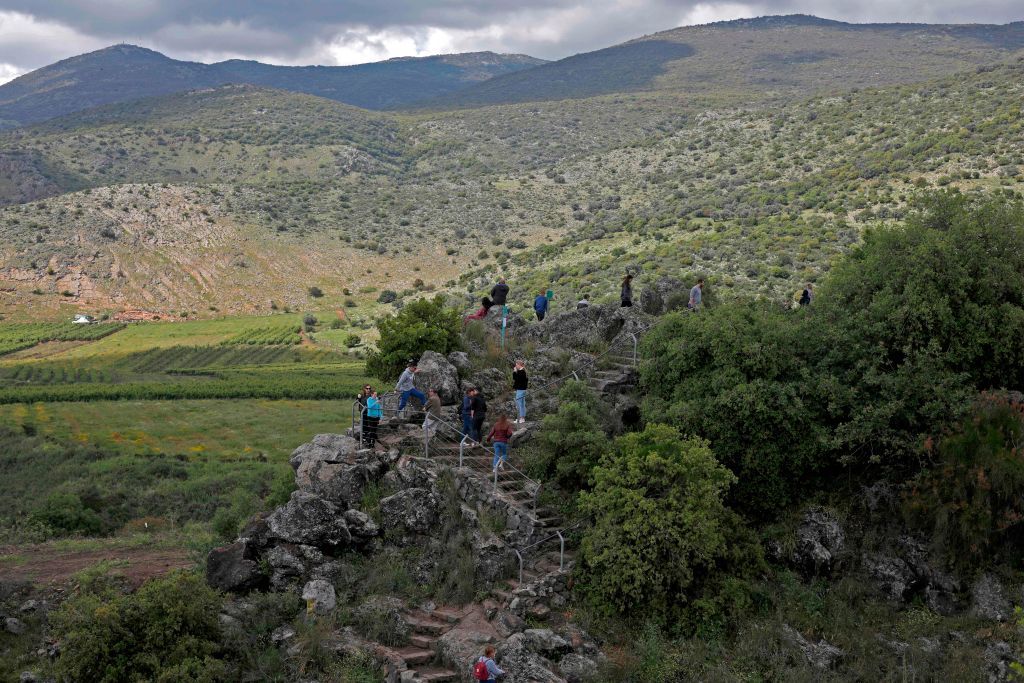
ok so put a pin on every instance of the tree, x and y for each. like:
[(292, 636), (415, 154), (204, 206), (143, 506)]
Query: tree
[(423, 325), (660, 523), (573, 439)]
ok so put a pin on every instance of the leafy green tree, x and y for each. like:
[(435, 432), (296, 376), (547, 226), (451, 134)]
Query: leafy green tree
[(423, 325), (660, 523), (573, 439), (166, 631)]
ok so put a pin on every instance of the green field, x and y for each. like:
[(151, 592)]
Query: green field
[(177, 423)]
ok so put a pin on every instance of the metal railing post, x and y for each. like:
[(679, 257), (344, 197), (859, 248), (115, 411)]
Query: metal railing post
[(520, 556), (561, 551), (495, 479), (462, 449)]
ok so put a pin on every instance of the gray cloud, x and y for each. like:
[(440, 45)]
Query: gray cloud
[(37, 32)]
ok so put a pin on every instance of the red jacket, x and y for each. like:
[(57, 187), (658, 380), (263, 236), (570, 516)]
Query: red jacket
[(500, 435)]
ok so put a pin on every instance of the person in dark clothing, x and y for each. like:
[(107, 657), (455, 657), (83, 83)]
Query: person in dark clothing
[(374, 411), (478, 411), (467, 414), (540, 305), (626, 296), (519, 384), (362, 397), (499, 293), (807, 295)]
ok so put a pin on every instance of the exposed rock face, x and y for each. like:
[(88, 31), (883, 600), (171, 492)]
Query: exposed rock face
[(309, 457), (819, 542), (311, 520), (343, 485), (989, 600), (460, 360), (907, 571), (437, 373), (414, 510), (234, 568), (523, 664), (581, 328), (491, 382), (494, 559), (821, 655), (319, 594)]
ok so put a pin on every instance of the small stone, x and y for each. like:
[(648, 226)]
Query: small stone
[(282, 634), (14, 626), (30, 606)]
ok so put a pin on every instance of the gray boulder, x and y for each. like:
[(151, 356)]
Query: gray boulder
[(546, 642), (360, 524), (508, 623), (989, 600), (821, 655), (577, 668), (308, 457), (523, 664), (435, 372), (234, 568), (493, 559), (343, 485), (14, 626), (414, 510), (491, 382), (893, 576), (319, 594), (819, 542), (285, 567), (460, 360), (309, 519), (461, 647)]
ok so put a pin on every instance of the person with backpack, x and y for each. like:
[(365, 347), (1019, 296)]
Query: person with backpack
[(519, 384), (486, 669), (374, 411), (467, 414), (807, 295), (499, 435), (540, 306), (407, 387), (478, 411), (626, 293)]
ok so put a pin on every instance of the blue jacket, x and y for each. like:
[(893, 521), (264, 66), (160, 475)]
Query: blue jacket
[(373, 407), (540, 304)]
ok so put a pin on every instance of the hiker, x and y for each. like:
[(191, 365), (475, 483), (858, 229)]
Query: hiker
[(467, 414), (519, 384), (374, 411), (499, 435), (362, 397), (807, 295), (696, 295), (407, 386), (540, 306), (626, 295), (499, 293), (433, 414), (481, 313), (485, 668), (478, 412)]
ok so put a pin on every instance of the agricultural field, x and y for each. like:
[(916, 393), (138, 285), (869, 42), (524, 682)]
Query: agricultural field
[(182, 421)]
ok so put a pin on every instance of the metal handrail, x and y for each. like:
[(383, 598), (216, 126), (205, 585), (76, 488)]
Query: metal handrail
[(561, 549)]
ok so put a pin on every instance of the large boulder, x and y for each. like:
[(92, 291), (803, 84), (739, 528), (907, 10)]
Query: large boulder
[(819, 542), (341, 484), (989, 600), (522, 664), (319, 596), (414, 510), (309, 457), (234, 568), (461, 647), (491, 382), (577, 668), (494, 559), (361, 525), (435, 372), (286, 567), (309, 519), (821, 655)]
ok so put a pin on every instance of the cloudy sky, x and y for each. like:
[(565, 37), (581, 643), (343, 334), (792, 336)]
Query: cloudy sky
[(34, 33)]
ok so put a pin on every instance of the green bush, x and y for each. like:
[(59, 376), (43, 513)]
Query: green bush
[(661, 530), (167, 631), (969, 499), (572, 440), (65, 512), (423, 325)]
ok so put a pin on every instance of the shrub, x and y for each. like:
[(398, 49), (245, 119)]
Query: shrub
[(573, 440), (167, 631), (353, 340), (969, 499), (423, 325), (65, 512), (660, 524), (387, 296), (316, 292)]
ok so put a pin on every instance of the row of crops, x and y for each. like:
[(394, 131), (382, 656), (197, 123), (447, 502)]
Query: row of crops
[(273, 335), (296, 381), (18, 336), (178, 358)]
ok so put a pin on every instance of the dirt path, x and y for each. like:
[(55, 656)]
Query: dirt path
[(46, 564)]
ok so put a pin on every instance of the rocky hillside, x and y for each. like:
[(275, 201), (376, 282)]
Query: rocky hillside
[(122, 73)]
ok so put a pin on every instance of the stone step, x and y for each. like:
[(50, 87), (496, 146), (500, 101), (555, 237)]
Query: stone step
[(435, 675), (421, 641), (415, 656), (502, 595), (449, 614), (427, 625)]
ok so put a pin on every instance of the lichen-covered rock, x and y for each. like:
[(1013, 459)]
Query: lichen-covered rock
[(822, 655), (523, 665), (491, 382), (546, 642), (819, 542), (343, 485), (414, 510), (577, 668), (493, 558), (234, 568), (893, 576), (360, 524), (989, 600), (308, 457), (508, 623), (437, 373), (461, 647), (319, 595), (310, 520)]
